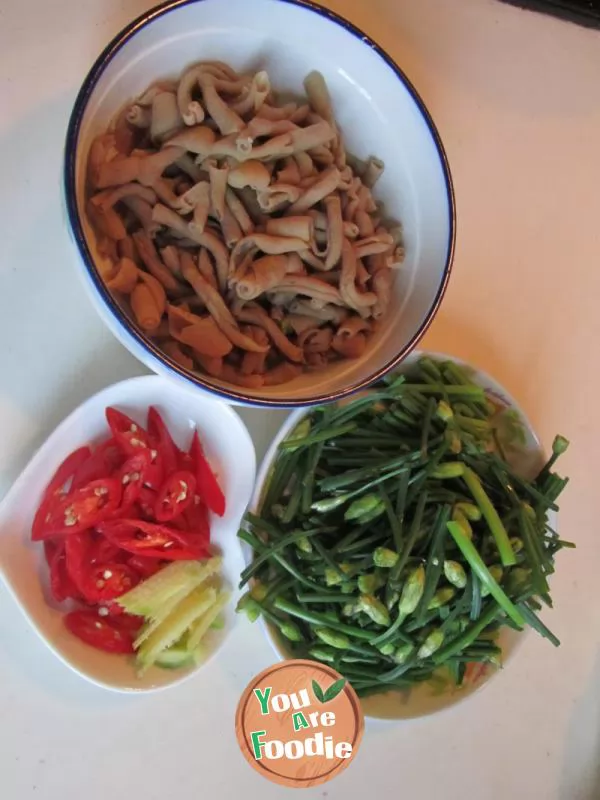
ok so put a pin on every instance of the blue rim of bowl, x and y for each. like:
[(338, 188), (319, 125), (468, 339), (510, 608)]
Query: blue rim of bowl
[(119, 315)]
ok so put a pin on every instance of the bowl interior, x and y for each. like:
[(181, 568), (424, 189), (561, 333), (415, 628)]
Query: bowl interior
[(379, 114), (425, 699), (22, 565)]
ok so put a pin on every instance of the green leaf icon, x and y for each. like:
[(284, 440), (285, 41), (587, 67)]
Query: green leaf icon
[(329, 694), (334, 690), (318, 692)]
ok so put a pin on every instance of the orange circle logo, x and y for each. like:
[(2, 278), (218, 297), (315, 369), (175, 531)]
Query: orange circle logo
[(299, 723)]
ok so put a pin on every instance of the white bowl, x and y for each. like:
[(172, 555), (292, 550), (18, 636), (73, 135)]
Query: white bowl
[(379, 111), (22, 565), (422, 700)]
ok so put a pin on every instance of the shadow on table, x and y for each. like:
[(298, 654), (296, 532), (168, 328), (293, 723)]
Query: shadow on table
[(456, 336), (55, 350), (35, 666), (486, 49), (581, 760)]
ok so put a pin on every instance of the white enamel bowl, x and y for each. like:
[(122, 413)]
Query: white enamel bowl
[(421, 701), (22, 565), (379, 111)]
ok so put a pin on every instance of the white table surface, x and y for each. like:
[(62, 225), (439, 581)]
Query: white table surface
[(516, 98)]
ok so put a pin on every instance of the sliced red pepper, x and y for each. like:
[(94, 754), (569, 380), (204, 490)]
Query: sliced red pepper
[(185, 461), (61, 585), (175, 495), (153, 540), (146, 502), (132, 475), (88, 557), (77, 557), (102, 463), (105, 582), (129, 622), (168, 451), (104, 633), (155, 473), (144, 566), (51, 547), (68, 468), (81, 509), (101, 550), (207, 485), (55, 488), (180, 524), (132, 438), (196, 517), (129, 435)]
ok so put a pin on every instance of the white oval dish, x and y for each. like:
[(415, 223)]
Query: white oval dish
[(22, 565), (421, 701), (379, 111)]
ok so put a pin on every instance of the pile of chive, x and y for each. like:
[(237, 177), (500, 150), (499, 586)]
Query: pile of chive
[(395, 539)]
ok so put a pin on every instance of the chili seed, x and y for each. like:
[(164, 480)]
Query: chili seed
[(70, 517)]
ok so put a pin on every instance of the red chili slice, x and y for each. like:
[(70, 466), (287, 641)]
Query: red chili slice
[(132, 475), (179, 524), (175, 495), (77, 557), (88, 556), (196, 517), (51, 548), (104, 633), (185, 461), (128, 622), (128, 434), (105, 582), (153, 540), (168, 451), (155, 473), (146, 502), (207, 485), (81, 509), (144, 566), (132, 438), (61, 585), (102, 463), (101, 550), (54, 490)]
